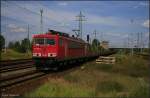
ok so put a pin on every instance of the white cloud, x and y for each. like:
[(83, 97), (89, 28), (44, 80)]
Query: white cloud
[(25, 16), (141, 4), (63, 3), (135, 6), (15, 28), (146, 34), (12, 26), (117, 34), (60, 18), (146, 23), (31, 15), (107, 20), (144, 3), (113, 34)]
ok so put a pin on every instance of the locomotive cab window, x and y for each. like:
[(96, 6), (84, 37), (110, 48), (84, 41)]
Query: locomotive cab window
[(50, 42), (42, 41), (38, 41)]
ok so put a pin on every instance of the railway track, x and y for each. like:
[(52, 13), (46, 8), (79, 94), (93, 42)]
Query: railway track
[(14, 62), (27, 79), (19, 78), (15, 68), (14, 79), (12, 72), (10, 80), (12, 65)]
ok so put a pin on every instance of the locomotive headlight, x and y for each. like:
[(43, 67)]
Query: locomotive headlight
[(51, 54), (54, 54), (39, 54), (34, 54)]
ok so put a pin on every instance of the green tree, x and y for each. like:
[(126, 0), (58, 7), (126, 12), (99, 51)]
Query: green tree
[(2, 42), (25, 45), (11, 45), (95, 45), (17, 46), (22, 47), (95, 42)]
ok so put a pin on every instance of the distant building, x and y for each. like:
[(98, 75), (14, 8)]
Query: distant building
[(104, 44)]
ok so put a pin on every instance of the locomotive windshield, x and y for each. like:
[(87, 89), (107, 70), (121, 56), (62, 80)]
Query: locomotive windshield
[(42, 41)]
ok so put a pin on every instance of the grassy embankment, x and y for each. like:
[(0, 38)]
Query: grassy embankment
[(127, 78), (13, 55)]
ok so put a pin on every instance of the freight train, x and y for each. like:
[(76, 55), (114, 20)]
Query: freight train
[(55, 49)]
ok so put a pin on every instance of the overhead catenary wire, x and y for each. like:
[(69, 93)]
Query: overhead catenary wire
[(28, 37), (33, 12)]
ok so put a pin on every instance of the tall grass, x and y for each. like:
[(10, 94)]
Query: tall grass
[(108, 86), (72, 78), (132, 65), (142, 90), (125, 64), (60, 90), (125, 79)]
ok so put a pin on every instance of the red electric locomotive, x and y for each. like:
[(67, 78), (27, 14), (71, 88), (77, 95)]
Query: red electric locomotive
[(54, 48)]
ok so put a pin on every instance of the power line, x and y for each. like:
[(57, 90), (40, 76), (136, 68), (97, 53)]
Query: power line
[(80, 19), (141, 42), (28, 32), (138, 42), (132, 21), (149, 42), (95, 33), (28, 35), (26, 9), (132, 44), (41, 11), (77, 34), (101, 36), (128, 41)]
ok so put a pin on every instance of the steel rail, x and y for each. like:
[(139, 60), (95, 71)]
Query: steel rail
[(24, 66), (13, 80)]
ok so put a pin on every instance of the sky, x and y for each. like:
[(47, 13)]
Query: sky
[(118, 22)]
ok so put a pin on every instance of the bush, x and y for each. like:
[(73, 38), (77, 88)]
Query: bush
[(142, 91), (131, 65), (108, 86), (2, 42), (59, 89), (71, 78), (103, 67), (20, 47)]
